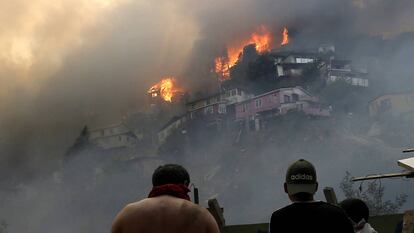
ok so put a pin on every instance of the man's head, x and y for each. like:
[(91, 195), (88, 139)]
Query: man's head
[(356, 209), (170, 174), (301, 182)]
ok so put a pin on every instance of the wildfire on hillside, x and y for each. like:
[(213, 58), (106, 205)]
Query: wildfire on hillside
[(263, 40), (166, 89), (285, 34)]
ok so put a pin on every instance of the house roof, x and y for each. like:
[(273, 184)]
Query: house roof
[(204, 97), (215, 94), (107, 127), (392, 94), (351, 72), (295, 65), (172, 120), (286, 53), (276, 90), (208, 105), (338, 62)]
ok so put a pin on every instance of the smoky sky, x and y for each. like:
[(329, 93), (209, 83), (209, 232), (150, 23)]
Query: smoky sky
[(68, 64)]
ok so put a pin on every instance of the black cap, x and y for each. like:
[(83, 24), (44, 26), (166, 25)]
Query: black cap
[(301, 177)]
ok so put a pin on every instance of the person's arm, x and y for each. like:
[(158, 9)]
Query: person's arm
[(346, 224), (211, 224), (117, 223), (272, 224), (116, 226)]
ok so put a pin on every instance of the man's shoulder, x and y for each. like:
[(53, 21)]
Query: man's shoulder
[(283, 211), (320, 205), (332, 208), (163, 202)]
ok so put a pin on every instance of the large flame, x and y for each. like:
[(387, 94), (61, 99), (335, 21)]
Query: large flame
[(285, 39), (166, 88), (263, 40)]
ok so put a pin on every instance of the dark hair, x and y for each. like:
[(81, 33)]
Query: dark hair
[(356, 209), (170, 174), (303, 196)]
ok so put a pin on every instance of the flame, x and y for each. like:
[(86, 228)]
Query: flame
[(285, 33), (222, 68), (166, 88), (263, 40)]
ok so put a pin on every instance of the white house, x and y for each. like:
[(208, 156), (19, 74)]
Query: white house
[(113, 136)]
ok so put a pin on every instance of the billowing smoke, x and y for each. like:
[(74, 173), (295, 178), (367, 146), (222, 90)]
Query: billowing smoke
[(68, 64)]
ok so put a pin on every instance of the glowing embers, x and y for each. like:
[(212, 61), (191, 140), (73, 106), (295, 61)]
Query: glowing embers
[(166, 89)]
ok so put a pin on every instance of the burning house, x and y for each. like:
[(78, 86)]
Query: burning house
[(253, 111)]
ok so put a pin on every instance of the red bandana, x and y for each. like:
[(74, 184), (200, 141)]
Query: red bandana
[(175, 190)]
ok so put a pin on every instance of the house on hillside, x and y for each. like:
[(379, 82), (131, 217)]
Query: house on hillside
[(342, 70), (395, 104), (170, 127), (290, 63), (114, 136), (278, 102), (217, 105)]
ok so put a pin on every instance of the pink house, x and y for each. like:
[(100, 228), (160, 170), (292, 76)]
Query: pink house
[(279, 102)]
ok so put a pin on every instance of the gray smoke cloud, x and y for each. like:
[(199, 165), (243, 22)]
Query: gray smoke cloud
[(79, 63)]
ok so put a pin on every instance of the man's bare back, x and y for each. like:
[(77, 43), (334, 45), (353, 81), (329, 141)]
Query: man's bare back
[(164, 214)]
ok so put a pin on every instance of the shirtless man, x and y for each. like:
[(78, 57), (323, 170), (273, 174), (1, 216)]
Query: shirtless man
[(167, 209)]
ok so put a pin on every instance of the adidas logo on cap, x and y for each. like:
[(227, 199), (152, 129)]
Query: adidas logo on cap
[(301, 177)]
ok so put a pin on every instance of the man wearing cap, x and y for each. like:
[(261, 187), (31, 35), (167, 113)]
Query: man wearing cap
[(305, 214)]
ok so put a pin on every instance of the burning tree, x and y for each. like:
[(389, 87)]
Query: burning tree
[(372, 196)]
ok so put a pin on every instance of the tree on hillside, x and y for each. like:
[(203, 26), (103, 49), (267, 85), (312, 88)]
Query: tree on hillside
[(3, 227), (81, 142), (373, 196)]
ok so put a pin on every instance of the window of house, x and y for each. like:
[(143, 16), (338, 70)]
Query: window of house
[(295, 97), (222, 108), (234, 92), (385, 105), (218, 98), (304, 60), (286, 98), (258, 103), (244, 107), (209, 109)]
